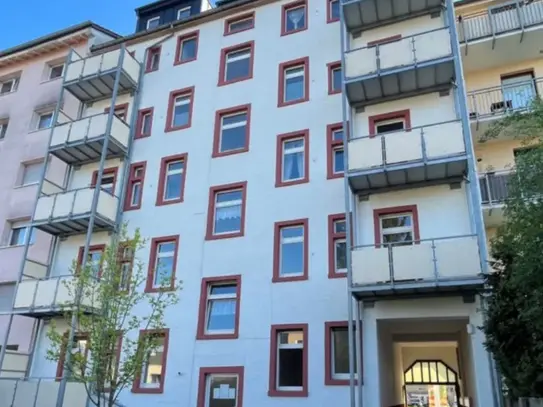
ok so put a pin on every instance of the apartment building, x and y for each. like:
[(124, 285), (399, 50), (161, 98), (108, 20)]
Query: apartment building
[(272, 101), (153, 15)]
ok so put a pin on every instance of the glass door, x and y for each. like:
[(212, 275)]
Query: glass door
[(518, 91), (431, 383)]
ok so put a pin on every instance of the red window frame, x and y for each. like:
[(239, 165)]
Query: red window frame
[(328, 377), (63, 348), (169, 116), (117, 111), (203, 306), (188, 36), (95, 247), (281, 138), (117, 359), (107, 171), (222, 64), (149, 58), (331, 146), (213, 191), (399, 114), (207, 371), (331, 66), (289, 6), (122, 259), (133, 179), (395, 210), (332, 237), (139, 123), (219, 114), (236, 19), (136, 388), (274, 331), (386, 40), (162, 179), (329, 18), (278, 226), (152, 260), (281, 85)]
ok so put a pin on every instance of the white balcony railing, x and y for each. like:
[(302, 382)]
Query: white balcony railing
[(15, 364), (39, 392), (494, 186), (429, 260), (405, 52), (410, 145)]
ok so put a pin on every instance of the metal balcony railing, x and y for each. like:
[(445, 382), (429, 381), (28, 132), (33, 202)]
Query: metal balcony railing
[(494, 187), (498, 100), (504, 18)]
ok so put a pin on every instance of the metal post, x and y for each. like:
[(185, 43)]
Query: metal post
[(358, 339)]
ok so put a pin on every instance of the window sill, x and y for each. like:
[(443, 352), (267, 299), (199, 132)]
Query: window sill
[(159, 290), (334, 175), (332, 20), (50, 80), (292, 102), (339, 382), (26, 185), (334, 92), (138, 136), (225, 236), (7, 93), (337, 275), (281, 184), (179, 62), (284, 33), (227, 33), (38, 130), (218, 154), (204, 337), (224, 83), (160, 202), (150, 70), (286, 393), (13, 246), (279, 279), (150, 390), (175, 128)]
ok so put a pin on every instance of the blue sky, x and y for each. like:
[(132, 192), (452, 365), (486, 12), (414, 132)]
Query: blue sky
[(24, 20)]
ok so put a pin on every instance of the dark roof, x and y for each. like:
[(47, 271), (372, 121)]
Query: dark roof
[(157, 5), (56, 35), (464, 2)]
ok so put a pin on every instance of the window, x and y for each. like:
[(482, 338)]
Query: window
[(334, 77), (44, 120), (336, 352), (332, 13), (337, 246), (290, 253), (94, 259), (18, 235), (220, 386), (162, 264), (518, 91), (126, 260), (386, 40), (3, 127), (236, 63), (219, 308), (388, 122), (144, 124), (134, 191), (288, 364), (292, 162), (109, 178), (153, 59), (8, 85), (335, 154), (183, 13), (120, 111), (180, 109), (153, 371), (397, 226), (171, 183), (79, 347), (293, 82), (232, 130), (56, 71), (294, 17), (153, 23), (187, 48), (31, 173), (226, 211), (239, 23)]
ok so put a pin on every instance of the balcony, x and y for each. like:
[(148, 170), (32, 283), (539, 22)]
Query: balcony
[(367, 14), (39, 392), (14, 365), (407, 157), (69, 213), (93, 78), (428, 267), (494, 192), (410, 66), (81, 141)]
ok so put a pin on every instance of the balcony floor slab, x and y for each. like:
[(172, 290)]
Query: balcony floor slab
[(99, 86), (87, 151), (75, 225)]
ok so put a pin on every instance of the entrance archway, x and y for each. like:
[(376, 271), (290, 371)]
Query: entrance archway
[(431, 383)]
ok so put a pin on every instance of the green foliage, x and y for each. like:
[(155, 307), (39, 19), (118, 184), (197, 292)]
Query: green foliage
[(514, 324), (106, 316)]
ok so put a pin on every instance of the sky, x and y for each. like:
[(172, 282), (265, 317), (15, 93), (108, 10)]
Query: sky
[(25, 20)]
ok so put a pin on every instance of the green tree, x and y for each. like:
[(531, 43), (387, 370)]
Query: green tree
[(112, 354), (514, 323)]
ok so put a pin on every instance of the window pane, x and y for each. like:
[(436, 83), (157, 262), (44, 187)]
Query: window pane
[(293, 160), (292, 251), (340, 343), (45, 120), (223, 289), (173, 186), (234, 130), (136, 194), (228, 219), (222, 391), (241, 25), (6, 87), (152, 23), (339, 161), (291, 367), (228, 196), (188, 49), (32, 173), (56, 71), (181, 112), (146, 124), (164, 263), (237, 65), (341, 255), (336, 79), (183, 13), (388, 127), (17, 237), (152, 368), (222, 315), (340, 226), (295, 19), (294, 86), (293, 337), (334, 9), (397, 221), (398, 238), (337, 135)]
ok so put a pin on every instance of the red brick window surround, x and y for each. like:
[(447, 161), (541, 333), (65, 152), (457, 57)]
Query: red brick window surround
[(294, 17), (396, 226), (162, 264), (291, 251), (152, 62), (236, 63), (219, 307), (232, 131), (293, 86), (389, 122), (108, 182), (225, 382), (292, 158), (288, 360), (81, 346), (335, 156), (334, 77), (144, 124), (239, 23), (150, 379), (336, 354), (134, 187), (180, 105), (332, 10), (187, 48), (226, 211), (337, 246), (94, 261), (171, 182)]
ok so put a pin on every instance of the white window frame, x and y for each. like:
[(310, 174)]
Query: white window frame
[(288, 75), (183, 42), (90, 263), (241, 20), (169, 172), (148, 23), (106, 185), (158, 256), (338, 376), (39, 116), (304, 19), (278, 363), (25, 167), (389, 121), (208, 385), (27, 229), (180, 100), (153, 56), (396, 230), (228, 59), (3, 128), (291, 240), (334, 150), (181, 10), (330, 8), (292, 150), (51, 67), (219, 298), (144, 117), (226, 204), (133, 194), (14, 85), (336, 241), (145, 366), (337, 68), (224, 127)]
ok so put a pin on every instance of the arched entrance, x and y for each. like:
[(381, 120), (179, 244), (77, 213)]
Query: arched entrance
[(431, 383)]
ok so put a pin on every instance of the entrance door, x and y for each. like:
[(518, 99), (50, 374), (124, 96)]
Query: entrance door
[(431, 383)]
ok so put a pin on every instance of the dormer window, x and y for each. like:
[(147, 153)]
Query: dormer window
[(153, 23)]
